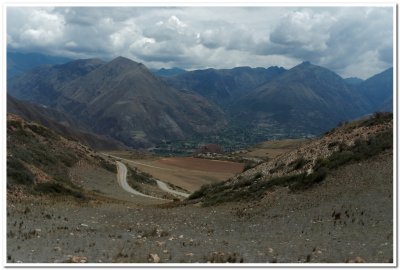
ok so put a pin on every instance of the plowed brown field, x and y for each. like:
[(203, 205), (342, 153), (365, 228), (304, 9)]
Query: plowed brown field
[(187, 172)]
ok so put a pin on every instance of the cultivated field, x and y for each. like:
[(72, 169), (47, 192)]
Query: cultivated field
[(271, 149), (186, 172)]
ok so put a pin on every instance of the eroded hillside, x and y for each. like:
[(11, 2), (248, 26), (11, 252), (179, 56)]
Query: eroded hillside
[(39, 160)]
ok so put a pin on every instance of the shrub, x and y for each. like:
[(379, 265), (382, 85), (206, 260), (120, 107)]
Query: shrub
[(108, 165), (42, 131), (57, 189), (141, 177), (199, 193), (249, 165), (18, 172), (298, 163), (258, 175)]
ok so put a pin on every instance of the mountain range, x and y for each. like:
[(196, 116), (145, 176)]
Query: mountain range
[(19, 63), (307, 97), (122, 99), (224, 85)]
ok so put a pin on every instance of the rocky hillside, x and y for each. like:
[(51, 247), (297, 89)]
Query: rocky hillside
[(70, 127), (309, 164), (39, 159)]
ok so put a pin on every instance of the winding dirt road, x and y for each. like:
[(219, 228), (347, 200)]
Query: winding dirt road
[(165, 188), (121, 179)]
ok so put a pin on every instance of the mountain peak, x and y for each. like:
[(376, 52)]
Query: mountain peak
[(121, 59), (305, 64), (123, 64)]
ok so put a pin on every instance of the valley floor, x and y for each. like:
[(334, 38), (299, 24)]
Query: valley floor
[(348, 215)]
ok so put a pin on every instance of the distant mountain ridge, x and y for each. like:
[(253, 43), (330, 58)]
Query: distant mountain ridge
[(18, 63), (42, 84), (224, 85), (168, 72), (353, 81), (378, 90)]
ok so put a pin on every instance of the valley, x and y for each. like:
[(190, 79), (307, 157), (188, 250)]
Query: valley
[(108, 162), (329, 221), (186, 172)]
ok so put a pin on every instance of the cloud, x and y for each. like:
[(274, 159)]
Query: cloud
[(44, 28), (304, 29), (339, 38)]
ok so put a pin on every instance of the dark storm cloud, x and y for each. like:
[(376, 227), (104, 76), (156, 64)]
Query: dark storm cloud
[(353, 41)]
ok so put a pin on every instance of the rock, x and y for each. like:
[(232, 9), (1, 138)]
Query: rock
[(77, 259), (165, 251), (189, 254), (159, 243), (84, 225), (180, 236), (57, 249), (356, 260), (154, 258), (359, 260)]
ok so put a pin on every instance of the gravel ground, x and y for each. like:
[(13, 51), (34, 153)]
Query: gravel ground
[(348, 215)]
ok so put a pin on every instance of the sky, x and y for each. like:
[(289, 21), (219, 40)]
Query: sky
[(352, 41)]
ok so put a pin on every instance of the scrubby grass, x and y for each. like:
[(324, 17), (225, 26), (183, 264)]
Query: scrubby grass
[(58, 189), (35, 145), (360, 151), (18, 172), (249, 165), (135, 178), (299, 163), (376, 119), (111, 167), (141, 177)]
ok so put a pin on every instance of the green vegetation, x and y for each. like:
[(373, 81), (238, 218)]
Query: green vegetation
[(141, 177), (298, 163), (360, 151), (34, 145), (135, 178), (249, 165), (58, 189), (236, 136), (376, 119), (18, 172), (42, 131), (109, 166)]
